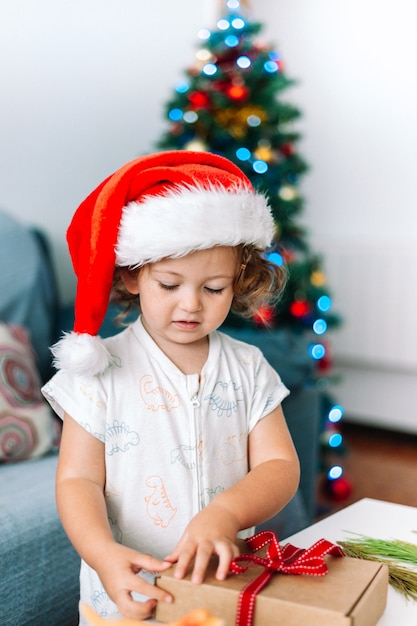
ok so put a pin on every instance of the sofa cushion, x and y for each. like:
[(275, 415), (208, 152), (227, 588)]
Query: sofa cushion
[(26, 421), (28, 289), (39, 580)]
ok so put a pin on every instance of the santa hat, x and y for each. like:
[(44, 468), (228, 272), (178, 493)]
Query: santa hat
[(163, 205)]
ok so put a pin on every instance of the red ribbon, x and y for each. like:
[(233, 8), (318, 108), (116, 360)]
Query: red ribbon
[(287, 560)]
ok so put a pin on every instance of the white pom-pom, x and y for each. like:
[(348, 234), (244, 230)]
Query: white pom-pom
[(82, 354)]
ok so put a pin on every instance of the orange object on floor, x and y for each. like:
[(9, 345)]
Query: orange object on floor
[(198, 617)]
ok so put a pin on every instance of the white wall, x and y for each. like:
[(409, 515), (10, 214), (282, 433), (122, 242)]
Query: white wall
[(358, 91), (84, 83)]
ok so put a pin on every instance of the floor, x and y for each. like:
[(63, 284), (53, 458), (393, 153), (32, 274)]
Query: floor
[(377, 464)]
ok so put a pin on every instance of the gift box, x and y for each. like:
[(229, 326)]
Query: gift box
[(353, 592)]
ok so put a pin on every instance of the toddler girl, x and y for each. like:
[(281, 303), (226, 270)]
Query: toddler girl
[(174, 441)]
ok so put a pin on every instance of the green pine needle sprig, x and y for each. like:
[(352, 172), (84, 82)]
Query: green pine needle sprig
[(393, 553)]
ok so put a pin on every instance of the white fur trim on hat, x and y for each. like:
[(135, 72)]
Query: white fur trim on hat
[(192, 218), (83, 354)]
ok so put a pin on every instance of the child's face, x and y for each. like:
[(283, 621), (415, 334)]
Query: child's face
[(183, 300)]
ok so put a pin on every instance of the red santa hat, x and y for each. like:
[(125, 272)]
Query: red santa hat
[(162, 205)]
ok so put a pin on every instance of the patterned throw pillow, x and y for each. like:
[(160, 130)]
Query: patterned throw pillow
[(26, 422)]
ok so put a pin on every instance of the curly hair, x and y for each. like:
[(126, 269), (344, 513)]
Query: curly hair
[(257, 282)]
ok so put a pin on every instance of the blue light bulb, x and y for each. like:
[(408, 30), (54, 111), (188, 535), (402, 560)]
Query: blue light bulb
[(335, 414), (317, 351), (231, 41), (223, 24), (275, 258), (324, 303), (204, 33), (320, 326), (271, 67), (175, 115), (334, 472), (191, 117), (253, 121), (209, 69), (335, 440), (182, 86), (243, 154), (243, 62), (260, 167), (238, 23)]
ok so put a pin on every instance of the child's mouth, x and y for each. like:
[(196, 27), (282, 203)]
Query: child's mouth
[(186, 325)]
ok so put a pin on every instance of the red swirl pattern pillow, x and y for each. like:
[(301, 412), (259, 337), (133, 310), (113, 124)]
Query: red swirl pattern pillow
[(26, 421)]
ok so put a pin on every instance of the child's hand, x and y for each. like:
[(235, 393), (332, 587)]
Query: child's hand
[(118, 573), (212, 531)]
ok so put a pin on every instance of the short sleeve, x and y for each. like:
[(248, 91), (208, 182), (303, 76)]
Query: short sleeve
[(269, 390), (83, 398)]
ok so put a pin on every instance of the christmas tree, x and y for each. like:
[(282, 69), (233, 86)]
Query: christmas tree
[(230, 103)]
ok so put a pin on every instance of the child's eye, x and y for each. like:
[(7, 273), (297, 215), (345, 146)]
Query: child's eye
[(167, 287), (211, 290)]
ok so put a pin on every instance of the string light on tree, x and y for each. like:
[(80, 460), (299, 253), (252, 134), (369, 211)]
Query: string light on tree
[(230, 102)]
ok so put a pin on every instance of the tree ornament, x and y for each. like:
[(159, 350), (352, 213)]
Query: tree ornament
[(318, 278), (238, 93), (203, 56), (339, 489), (287, 149), (300, 308), (235, 120), (196, 145), (264, 153), (199, 99), (288, 193)]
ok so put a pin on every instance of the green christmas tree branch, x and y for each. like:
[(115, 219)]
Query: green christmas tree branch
[(393, 553)]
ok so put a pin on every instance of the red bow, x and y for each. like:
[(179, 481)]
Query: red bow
[(287, 560)]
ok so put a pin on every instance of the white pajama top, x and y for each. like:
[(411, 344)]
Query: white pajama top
[(172, 441)]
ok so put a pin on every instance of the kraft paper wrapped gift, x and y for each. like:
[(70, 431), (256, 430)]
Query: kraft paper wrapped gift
[(352, 593)]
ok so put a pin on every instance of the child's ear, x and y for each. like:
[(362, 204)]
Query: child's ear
[(130, 280)]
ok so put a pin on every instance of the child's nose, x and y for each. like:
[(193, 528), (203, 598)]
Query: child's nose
[(191, 301)]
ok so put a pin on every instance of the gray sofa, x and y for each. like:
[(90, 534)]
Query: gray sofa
[(38, 566)]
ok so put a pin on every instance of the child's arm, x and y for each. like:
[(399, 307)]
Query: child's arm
[(271, 482), (81, 505)]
